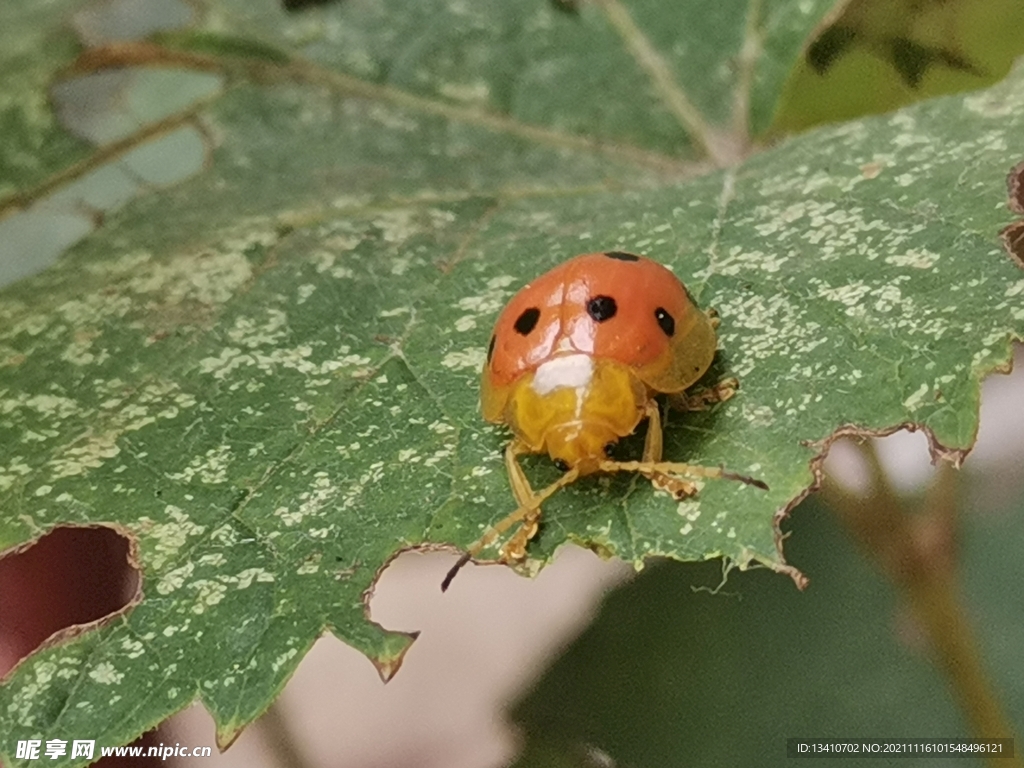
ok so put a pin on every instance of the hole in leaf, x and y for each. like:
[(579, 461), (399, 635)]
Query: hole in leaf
[(1013, 240), (66, 582), (117, 21)]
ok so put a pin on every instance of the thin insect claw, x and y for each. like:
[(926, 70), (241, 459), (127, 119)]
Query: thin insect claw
[(744, 479), (453, 571)]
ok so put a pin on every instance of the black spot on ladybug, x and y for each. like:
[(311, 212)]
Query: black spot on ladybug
[(527, 321), (561, 465), (490, 348), (1015, 188), (602, 308), (622, 256), (665, 321)]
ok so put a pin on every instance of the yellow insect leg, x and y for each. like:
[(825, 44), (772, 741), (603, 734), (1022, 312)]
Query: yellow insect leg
[(663, 474), (701, 399), (527, 513)]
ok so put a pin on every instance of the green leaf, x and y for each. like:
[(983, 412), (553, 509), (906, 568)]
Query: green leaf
[(34, 43), (267, 375), (679, 668)]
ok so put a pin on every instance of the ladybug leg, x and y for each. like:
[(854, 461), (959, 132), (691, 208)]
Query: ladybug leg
[(529, 505), (517, 478), (701, 399), (664, 475), (515, 548), (529, 502), (653, 443), (527, 514), (653, 448)]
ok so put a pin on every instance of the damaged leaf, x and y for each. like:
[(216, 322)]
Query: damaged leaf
[(266, 374)]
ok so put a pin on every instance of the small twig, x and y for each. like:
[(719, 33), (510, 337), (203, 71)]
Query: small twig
[(918, 553)]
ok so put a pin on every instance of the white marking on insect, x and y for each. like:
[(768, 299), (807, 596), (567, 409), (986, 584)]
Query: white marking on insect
[(563, 371)]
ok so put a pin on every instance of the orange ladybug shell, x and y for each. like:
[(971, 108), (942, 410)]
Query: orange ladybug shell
[(614, 306)]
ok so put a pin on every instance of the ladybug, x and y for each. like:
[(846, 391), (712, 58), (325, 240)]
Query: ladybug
[(575, 362)]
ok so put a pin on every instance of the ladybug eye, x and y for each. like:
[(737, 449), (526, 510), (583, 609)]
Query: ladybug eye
[(666, 321), (527, 321), (561, 465), (490, 348), (602, 308)]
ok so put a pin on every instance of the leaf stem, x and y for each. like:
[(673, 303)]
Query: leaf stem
[(746, 61), (918, 553), (718, 147)]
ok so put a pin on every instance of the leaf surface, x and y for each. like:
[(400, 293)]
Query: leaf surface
[(267, 375)]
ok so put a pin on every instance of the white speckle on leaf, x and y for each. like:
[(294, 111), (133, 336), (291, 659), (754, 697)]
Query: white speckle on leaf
[(80, 352), (132, 647), (473, 357), (758, 415), (52, 407), (916, 400), (207, 278), (251, 333), (166, 538), (849, 295), (283, 659), (918, 258), (250, 575), (311, 502), (211, 467), (209, 594), (174, 579), (105, 673), (89, 454), (397, 225)]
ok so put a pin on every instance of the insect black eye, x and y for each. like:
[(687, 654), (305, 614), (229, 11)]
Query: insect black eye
[(561, 465), (609, 450), (490, 348), (527, 321), (602, 308), (665, 321)]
